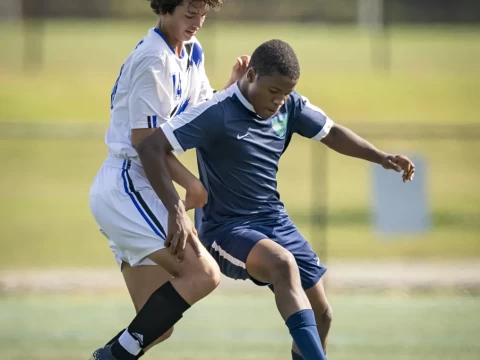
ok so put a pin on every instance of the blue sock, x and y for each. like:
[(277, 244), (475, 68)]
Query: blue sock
[(295, 356), (303, 329)]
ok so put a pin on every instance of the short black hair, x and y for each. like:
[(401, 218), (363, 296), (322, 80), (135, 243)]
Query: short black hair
[(275, 57), (162, 7)]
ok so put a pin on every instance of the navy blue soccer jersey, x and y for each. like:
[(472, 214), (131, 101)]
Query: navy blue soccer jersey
[(238, 152)]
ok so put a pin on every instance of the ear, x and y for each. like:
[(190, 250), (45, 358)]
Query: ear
[(251, 74)]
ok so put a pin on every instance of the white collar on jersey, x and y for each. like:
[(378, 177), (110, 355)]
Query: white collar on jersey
[(242, 98)]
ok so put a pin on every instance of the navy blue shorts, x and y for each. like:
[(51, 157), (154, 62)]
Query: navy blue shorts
[(231, 243)]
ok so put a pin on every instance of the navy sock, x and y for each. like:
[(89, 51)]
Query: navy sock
[(303, 329), (295, 356)]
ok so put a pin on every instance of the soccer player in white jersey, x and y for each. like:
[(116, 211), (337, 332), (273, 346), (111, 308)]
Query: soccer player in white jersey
[(161, 78)]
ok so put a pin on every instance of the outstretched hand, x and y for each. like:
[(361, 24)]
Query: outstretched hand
[(400, 163)]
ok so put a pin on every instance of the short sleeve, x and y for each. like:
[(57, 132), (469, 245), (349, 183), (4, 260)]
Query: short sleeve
[(196, 127), (310, 121), (150, 99)]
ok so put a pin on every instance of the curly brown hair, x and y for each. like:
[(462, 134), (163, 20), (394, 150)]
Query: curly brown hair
[(161, 7)]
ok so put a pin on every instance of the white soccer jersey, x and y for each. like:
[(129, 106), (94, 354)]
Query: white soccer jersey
[(153, 86)]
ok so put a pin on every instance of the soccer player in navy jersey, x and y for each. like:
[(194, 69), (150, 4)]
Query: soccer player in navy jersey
[(240, 135)]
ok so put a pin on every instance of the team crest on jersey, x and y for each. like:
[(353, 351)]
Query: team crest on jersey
[(279, 124)]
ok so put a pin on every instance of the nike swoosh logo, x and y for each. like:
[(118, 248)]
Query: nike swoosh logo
[(240, 137)]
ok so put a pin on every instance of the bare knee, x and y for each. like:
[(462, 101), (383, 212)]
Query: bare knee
[(283, 268), (204, 276), (209, 275)]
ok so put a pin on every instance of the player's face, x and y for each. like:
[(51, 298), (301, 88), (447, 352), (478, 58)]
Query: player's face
[(186, 20), (267, 94)]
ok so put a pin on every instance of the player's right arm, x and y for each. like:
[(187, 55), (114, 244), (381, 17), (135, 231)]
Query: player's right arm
[(197, 126), (150, 106), (196, 195)]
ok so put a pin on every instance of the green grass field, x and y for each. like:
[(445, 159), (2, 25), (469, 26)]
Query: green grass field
[(369, 327), (434, 80)]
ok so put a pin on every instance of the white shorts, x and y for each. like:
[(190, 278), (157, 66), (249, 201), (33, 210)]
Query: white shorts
[(128, 211)]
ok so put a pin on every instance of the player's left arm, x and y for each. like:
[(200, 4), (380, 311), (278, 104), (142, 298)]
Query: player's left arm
[(312, 122), (346, 142)]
